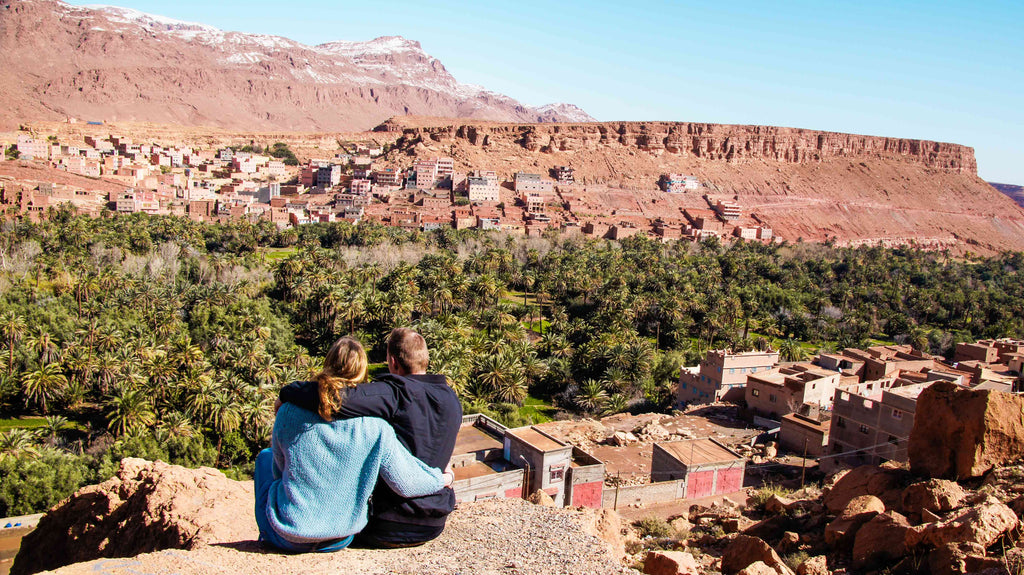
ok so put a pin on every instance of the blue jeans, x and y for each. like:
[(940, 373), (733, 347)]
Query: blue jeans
[(263, 479)]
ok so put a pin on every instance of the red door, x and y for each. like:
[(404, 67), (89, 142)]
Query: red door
[(700, 484), (730, 480)]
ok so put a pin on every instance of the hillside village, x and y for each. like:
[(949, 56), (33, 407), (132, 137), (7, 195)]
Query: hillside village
[(227, 184)]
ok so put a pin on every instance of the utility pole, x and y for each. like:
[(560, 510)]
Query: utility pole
[(803, 466)]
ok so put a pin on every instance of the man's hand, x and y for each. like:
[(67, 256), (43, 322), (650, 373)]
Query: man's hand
[(449, 475)]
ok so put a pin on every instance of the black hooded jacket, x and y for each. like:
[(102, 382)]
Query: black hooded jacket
[(426, 415)]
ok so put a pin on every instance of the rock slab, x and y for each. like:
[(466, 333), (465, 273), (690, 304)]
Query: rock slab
[(146, 507), (960, 433)]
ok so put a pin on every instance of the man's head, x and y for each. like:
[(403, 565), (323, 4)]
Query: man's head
[(407, 352)]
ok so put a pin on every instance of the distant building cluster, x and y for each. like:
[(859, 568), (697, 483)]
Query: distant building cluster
[(851, 407), (226, 184)]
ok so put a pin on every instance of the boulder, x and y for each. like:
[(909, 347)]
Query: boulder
[(790, 541), (885, 484), (147, 506), (816, 565), (621, 438), (982, 524), (670, 563), (882, 540), (541, 498), (680, 524), (841, 532), (770, 451), (960, 433), (952, 559), (778, 504), (935, 495), (1018, 506), (744, 550), (758, 568)]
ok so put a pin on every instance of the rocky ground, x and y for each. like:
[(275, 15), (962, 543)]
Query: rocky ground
[(157, 518)]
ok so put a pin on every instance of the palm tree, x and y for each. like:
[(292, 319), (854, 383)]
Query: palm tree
[(44, 385), (224, 417), (591, 396), (17, 442), (44, 346), (12, 327), (791, 350), (128, 410), (54, 425), (177, 424)]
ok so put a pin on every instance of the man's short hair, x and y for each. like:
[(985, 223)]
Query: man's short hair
[(409, 350)]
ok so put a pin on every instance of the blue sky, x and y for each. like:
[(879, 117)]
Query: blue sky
[(947, 71)]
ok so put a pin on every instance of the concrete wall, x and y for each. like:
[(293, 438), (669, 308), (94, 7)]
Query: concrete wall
[(508, 484), (584, 482), (792, 436), (665, 467), (645, 494)]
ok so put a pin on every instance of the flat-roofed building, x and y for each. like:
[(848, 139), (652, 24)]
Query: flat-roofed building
[(805, 431), (869, 430), (783, 390), (481, 189), (549, 460), (525, 182), (728, 210), (723, 375), (706, 466)]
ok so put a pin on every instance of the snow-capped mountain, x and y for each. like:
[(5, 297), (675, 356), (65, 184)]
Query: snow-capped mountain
[(111, 63)]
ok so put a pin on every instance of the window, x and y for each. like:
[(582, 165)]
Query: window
[(731, 370), (897, 414), (753, 370), (557, 472), (743, 370), (813, 385), (755, 392), (840, 422), (683, 385), (864, 429), (771, 397)]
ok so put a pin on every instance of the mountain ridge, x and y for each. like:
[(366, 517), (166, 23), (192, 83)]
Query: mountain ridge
[(107, 63)]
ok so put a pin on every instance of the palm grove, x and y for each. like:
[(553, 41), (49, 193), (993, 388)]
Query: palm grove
[(165, 338)]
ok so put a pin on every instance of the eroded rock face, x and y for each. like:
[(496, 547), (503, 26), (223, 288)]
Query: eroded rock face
[(881, 540), (885, 484), (982, 525), (745, 550), (670, 563), (147, 506), (841, 532), (961, 433), (936, 495)]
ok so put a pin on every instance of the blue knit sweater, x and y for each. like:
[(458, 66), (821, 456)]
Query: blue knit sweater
[(324, 473)]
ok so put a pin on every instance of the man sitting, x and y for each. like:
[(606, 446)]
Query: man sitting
[(426, 415)]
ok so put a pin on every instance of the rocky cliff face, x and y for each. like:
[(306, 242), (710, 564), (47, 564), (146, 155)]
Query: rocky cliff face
[(108, 63), (959, 433), (806, 184), (713, 142)]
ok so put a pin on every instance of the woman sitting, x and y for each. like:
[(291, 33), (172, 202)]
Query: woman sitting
[(313, 484)]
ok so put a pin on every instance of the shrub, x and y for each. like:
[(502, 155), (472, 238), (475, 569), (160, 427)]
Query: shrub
[(762, 494), (34, 484), (185, 451), (654, 527), (793, 560)]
